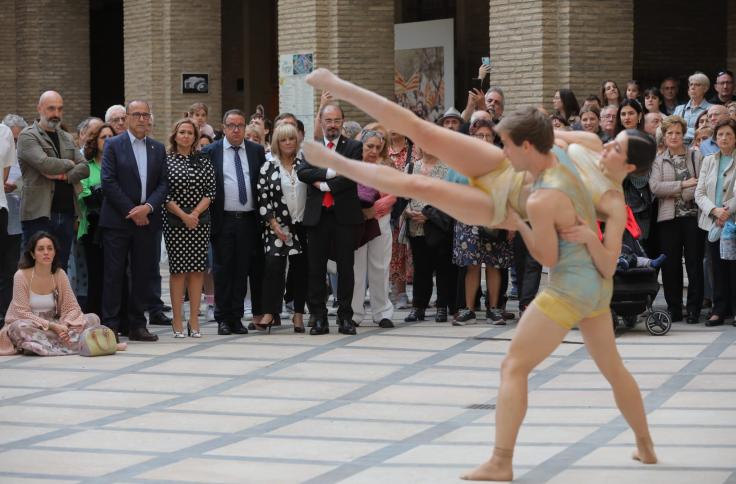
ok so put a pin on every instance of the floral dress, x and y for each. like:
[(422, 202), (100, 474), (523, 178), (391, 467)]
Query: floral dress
[(471, 248), (400, 267)]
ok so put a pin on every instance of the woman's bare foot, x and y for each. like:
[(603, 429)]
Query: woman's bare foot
[(644, 452), (498, 468), (122, 346)]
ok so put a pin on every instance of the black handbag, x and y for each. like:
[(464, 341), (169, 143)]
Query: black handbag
[(176, 222), (492, 235), (438, 229)]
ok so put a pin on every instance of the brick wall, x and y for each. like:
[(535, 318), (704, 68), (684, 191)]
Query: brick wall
[(163, 40), (354, 39), (8, 86), (540, 46), (51, 42)]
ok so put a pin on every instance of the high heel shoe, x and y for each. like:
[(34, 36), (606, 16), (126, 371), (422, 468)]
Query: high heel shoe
[(298, 324), (264, 327), (179, 334), (193, 334)]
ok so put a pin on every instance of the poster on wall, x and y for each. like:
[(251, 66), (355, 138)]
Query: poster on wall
[(295, 95), (423, 63)]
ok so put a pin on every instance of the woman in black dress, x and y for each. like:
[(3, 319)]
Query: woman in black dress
[(191, 180), (281, 198)]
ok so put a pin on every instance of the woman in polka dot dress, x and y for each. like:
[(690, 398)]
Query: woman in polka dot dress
[(191, 180), (281, 198)]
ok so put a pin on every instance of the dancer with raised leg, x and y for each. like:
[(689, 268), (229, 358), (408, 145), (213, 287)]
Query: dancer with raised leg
[(548, 187)]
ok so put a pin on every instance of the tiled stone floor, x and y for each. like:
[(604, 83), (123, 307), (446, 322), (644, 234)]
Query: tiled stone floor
[(384, 406)]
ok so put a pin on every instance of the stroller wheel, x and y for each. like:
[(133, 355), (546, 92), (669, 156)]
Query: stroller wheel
[(659, 323), (630, 321)]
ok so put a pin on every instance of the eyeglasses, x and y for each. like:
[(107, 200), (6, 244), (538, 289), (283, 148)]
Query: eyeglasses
[(724, 83), (608, 116), (120, 119), (140, 115), (234, 127), (329, 122), (486, 137)]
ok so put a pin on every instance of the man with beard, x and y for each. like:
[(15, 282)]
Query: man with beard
[(51, 166), (333, 217)]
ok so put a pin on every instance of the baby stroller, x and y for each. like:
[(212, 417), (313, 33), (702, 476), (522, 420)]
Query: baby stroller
[(635, 289)]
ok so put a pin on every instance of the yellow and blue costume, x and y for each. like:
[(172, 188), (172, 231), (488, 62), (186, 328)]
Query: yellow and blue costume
[(576, 290)]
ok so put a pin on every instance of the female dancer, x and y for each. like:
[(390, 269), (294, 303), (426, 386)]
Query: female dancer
[(551, 171)]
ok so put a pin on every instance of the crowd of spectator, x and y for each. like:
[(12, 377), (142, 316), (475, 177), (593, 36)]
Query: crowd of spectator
[(244, 216)]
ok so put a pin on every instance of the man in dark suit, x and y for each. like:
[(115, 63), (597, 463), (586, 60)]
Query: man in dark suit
[(134, 184), (235, 231), (333, 217)]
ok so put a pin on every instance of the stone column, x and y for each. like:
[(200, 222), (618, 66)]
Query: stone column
[(539, 46), (164, 39), (37, 57), (353, 39)]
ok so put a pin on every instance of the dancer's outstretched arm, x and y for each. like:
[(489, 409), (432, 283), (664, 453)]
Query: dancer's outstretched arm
[(465, 154), (467, 204)]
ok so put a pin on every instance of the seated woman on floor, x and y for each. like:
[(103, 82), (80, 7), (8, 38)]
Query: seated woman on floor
[(44, 317)]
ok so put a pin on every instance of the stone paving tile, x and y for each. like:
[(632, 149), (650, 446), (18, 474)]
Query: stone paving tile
[(387, 405)]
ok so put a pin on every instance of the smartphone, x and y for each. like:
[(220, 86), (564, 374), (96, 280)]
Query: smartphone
[(486, 61)]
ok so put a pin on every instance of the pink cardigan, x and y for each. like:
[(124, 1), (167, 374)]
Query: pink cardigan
[(20, 307)]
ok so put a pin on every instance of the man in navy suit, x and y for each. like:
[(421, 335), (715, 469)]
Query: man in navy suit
[(236, 231), (134, 184)]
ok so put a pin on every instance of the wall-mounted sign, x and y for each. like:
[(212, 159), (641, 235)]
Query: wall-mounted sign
[(195, 83)]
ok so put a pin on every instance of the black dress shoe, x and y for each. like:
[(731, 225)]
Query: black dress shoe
[(415, 314), (223, 329), (441, 316), (346, 326), (714, 322), (159, 319), (692, 320), (237, 327), (386, 323), (142, 334), (320, 327)]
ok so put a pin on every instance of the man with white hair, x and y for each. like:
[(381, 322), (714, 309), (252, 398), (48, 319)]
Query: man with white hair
[(115, 116), (716, 114), (652, 122), (51, 166)]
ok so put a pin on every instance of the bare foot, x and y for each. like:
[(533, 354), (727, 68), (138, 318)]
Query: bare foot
[(122, 346), (644, 452), (495, 469)]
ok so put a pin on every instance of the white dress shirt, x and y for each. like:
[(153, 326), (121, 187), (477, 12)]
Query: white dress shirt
[(295, 191), (7, 158), (141, 159), (230, 178), (323, 186)]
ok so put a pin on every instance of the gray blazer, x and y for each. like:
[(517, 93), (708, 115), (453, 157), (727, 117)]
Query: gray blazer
[(37, 157), (705, 192)]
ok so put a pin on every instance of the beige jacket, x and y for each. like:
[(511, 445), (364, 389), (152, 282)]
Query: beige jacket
[(705, 192), (664, 186), (37, 157)]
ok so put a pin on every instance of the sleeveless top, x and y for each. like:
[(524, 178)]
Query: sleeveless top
[(42, 303), (574, 277)]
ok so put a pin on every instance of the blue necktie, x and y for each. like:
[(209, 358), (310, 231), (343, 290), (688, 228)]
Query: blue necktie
[(242, 193)]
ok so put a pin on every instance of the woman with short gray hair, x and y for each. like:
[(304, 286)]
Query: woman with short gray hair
[(697, 85)]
